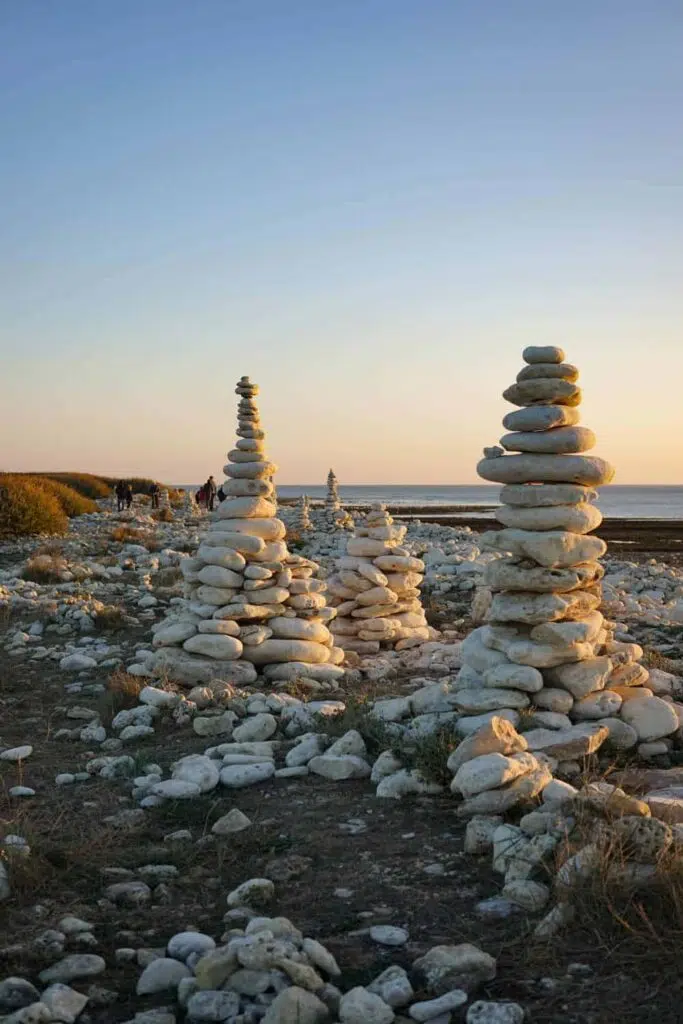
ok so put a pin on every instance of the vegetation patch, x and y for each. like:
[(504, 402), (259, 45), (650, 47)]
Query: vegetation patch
[(27, 508)]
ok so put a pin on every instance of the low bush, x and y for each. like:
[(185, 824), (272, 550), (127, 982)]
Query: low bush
[(73, 503), (164, 515), (110, 618), (86, 484), (44, 568), (26, 508)]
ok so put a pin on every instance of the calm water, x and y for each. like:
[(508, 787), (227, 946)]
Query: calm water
[(636, 502)]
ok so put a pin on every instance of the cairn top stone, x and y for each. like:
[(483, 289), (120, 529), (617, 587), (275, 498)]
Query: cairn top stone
[(543, 354)]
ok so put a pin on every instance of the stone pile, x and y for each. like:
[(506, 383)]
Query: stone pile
[(336, 516), (249, 602), (546, 645), (375, 589), (190, 506), (303, 521), (165, 501)]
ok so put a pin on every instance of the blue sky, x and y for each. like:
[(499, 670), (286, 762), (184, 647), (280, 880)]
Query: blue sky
[(369, 207)]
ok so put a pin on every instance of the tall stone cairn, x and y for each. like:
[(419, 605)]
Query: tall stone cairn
[(375, 589), (303, 520), (336, 516), (250, 603), (546, 644), (190, 506), (165, 501)]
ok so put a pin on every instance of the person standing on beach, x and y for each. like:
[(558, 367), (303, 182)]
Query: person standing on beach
[(154, 493), (210, 487), (120, 495), (129, 495)]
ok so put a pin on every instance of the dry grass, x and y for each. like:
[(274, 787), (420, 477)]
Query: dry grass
[(133, 535), (44, 569), (27, 508), (653, 659), (163, 515), (110, 618), (122, 693)]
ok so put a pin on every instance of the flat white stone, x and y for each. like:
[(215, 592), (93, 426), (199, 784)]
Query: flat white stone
[(515, 677), (237, 776), (602, 704), (200, 770), (218, 576), (552, 549), (305, 651), (541, 495), (575, 518), (17, 753), (564, 370), (266, 529), (583, 677), (587, 470), (243, 543), (245, 508), (490, 771), (506, 574), (543, 354), (217, 645), (543, 390), (225, 557), (161, 975), (535, 609), (558, 441), (541, 417), (176, 789), (488, 698)]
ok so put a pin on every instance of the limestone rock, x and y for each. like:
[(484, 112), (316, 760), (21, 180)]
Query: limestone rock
[(359, 1006), (651, 717), (464, 966)]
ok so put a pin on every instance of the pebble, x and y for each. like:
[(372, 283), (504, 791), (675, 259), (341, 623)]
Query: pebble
[(17, 753), (161, 975), (73, 967), (387, 935)]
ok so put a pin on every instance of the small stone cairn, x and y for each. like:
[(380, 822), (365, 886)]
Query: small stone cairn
[(303, 521), (190, 506), (375, 589), (250, 603), (336, 517), (546, 647), (165, 501)]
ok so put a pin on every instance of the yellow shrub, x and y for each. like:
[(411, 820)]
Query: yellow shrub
[(27, 508)]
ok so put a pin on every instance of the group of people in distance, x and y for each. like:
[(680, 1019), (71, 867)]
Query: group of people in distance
[(124, 495), (205, 496)]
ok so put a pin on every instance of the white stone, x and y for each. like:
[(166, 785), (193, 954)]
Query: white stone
[(575, 518), (175, 789), (359, 1006), (17, 753), (558, 441), (350, 743), (346, 766), (256, 728), (483, 1012), (541, 418), (429, 1009), (218, 646), (255, 891), (64, 1003), (651, 717), (515, 677), (489, 771), (552, 549), (161, 975), (388, 935), (305, 651), (238, 776), (587, 470), (198, 769)]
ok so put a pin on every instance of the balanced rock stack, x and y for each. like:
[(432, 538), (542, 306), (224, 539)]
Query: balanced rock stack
[(545, 643), (303, 520), (375, 589), (165, 501), (190, 506), (249, 601), (336, 516)]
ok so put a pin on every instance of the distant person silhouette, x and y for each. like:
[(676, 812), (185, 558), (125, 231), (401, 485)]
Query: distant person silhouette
[(210, 487), (154, 492), (129, 495), (120, 495)]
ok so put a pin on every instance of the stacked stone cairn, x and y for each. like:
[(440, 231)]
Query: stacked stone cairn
[(165, 501), (546, 647), (303, 521), (249, 602), (375, 589), (336, 517), (190, 506)]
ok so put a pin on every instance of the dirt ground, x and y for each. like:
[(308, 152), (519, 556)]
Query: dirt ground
[(342, 860)]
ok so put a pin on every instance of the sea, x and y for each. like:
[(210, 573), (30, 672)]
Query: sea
[(616, 501)]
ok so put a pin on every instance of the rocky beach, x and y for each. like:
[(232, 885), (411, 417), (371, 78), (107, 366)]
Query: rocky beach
[(208, 814)]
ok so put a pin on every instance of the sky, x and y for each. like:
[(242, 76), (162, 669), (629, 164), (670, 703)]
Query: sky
[(368, 206)]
